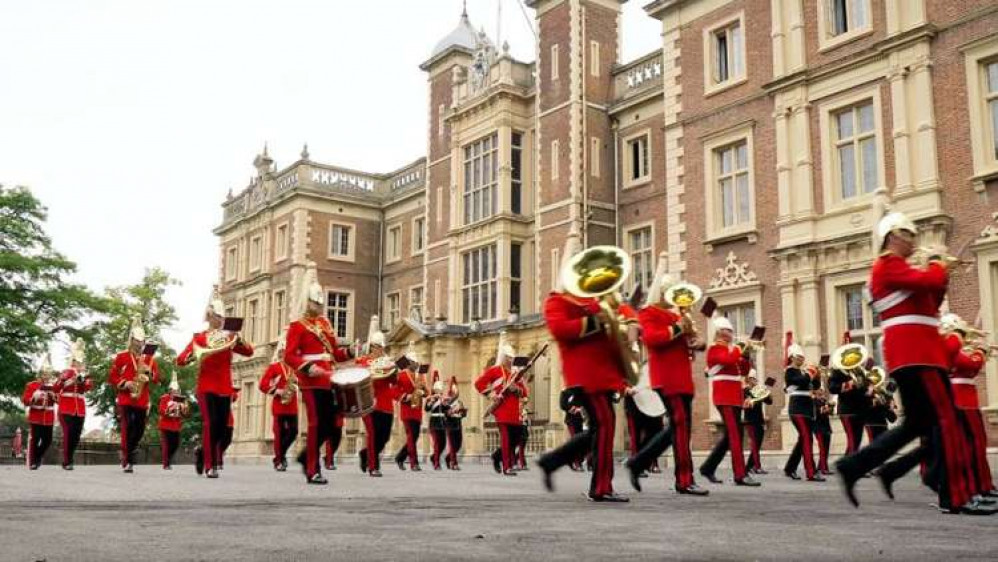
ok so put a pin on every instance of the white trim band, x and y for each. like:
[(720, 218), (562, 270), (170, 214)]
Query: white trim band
[(714, 370), (317, 357), (734, 378), (890, 301), (962, 381), (919, 319), (800, 393), (71, 395)]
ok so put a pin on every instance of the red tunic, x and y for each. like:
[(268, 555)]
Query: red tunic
[(42, 413), (215, 371), (589, 360), (907, 300), (669, 365), (406, 386), (725, 371), (312, 342), (123, 370), (493, 379), (275, 379), (964, 367), (167, 422), (71, 402)]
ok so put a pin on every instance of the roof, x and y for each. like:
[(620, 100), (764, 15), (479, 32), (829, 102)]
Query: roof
[(463, 37)]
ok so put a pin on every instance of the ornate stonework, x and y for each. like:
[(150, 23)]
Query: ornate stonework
[(733, 275)]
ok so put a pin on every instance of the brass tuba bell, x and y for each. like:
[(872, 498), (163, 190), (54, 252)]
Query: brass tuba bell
[(851, 359)]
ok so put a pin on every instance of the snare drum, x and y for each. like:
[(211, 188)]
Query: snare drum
[(354, 391)]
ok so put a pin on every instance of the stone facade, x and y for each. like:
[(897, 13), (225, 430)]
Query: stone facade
[(746, 152)]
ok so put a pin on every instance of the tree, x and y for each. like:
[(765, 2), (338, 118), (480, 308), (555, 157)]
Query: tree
[(147, 300), (37, 302)]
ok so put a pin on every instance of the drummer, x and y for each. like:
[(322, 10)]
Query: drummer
[(378, 423), (498, 383)]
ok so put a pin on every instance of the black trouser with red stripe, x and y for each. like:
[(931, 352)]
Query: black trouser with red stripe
[(676, 435), (169, 441), (285, 432), (378, 426), (853, 425), (215, 410), (132, 423), (824, 443), (72, 429), (320, 412), (640, 430), (520, 457), (598, 439), (575, 426), (929, 410), (874, 431), (803, 448), (333, 444), (39, 439), (223, 444), (977, 438), (756, 432), (409, 450), (438, 435), (732, 438), (510, 435), (455, 438)]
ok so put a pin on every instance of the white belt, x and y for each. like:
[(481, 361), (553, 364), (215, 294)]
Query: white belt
[(46, 408), (905, 319), (714, 370), (890, 301), (962, 381), (800, 393), (734, 378), (317, 357), (71, 395)]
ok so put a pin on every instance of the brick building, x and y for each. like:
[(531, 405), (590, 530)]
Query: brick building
[(746, 152)]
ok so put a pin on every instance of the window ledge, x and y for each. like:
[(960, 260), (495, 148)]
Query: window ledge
[(978, 181), (723, 237), (393, 260), (837, 41), (712, 89), (640, 182), (348, 259)]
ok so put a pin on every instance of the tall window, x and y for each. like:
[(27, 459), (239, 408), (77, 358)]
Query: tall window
[(256, 253), (281, 242), (516, 173), (231, 263), (847, 15), (339, 240), (991, 98), (742, 317), (481, 172), (338, 312), (639, 246), (478, 287), (732, 183), (859, 319), (638, 156), (727, 52), (252, 319), (418, 235), (393, 304), (416, 303), (280, 311), (856, 149), (515, 275), (394, 249)]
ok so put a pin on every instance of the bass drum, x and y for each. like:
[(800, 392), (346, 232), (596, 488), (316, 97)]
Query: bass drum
[(645, 399), (354, 391)]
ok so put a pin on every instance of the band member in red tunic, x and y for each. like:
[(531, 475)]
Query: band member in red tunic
[(967, 358), (280, 383), (456, 411), (173, 408), (670, 340), (378, 424), (411, 393), (40, 398), (215, 348), (131, 374), (502, 386), (311, 349), (71, 386), (724, 367), (593, 376), (907, 298)]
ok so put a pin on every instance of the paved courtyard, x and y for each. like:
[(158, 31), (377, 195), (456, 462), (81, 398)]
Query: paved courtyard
[(253, 513)]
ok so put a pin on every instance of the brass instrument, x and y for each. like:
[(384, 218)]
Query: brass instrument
[(851, 359), (684, 296), (753, 345), (216, 341), (291, 388), (599, 272), (141, 379), (416, 397), (758, 394)]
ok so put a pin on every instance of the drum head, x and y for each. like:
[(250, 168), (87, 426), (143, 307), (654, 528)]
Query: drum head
[(353, 375), (649, 403)]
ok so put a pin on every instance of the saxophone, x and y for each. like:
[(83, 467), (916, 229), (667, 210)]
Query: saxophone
[(141, 378)]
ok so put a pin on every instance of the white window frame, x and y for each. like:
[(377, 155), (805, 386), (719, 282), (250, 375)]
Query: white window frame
[(831, 182), (421, 302), (487, 191), (351, 303), (440, 120), (595, 153), (440, 205), (649, 252), (253, 318), (743, 296), (418, 235), (351, 241), (630, 180), (487, 284), (836, 320), (393, 250), (280, 312), (282, 243), (982, 138), (393, 315), (256, 253), (715, 221), (827, 39), (711, 84), (232, 263)]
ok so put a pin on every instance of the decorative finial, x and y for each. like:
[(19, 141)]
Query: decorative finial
[(464, 11), (304, 152), (229, 195), (265, 155), (505, 48)]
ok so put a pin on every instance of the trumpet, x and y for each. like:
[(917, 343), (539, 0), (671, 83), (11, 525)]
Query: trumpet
[(753, 345), (923, 255), (217, 340)]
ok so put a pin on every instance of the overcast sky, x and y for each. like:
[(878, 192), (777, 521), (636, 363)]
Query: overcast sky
[(132, 119)]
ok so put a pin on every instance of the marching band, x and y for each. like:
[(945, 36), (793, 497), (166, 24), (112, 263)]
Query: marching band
[(641, 353)]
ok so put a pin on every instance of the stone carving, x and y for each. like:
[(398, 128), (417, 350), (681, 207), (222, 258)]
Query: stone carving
[(733, 274)]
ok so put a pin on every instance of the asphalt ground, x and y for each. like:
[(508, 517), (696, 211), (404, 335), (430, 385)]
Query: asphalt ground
[(253, 513)]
